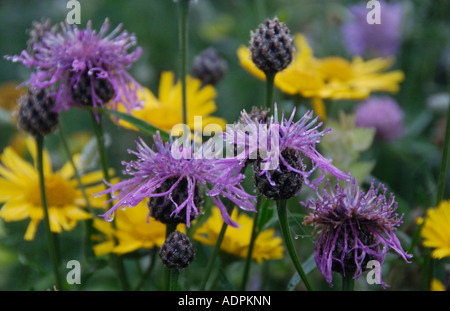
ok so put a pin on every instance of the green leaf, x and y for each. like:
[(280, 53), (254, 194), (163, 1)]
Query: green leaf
[(139, 123), (308, 267)]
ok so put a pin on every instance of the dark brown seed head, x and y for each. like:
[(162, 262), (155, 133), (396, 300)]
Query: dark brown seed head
[(342, 241), (209, 67), (35, 113), (271, 46), (177, 252), (161, 208), (258, 115), (82, 91), (287, 183)]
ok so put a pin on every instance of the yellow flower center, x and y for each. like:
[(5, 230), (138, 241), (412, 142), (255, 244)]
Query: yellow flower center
[(58, 190)]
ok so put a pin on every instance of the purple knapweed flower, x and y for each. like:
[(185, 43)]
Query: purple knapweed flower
[(281, 150), (174, 177), (382, 113), (83, 67), (354, 227), (383, 39)]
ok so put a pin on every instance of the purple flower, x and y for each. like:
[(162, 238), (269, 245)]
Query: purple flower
[(281, 150), (354, 227), (83, 66), (382, 113), (382, 39), (173, 176)]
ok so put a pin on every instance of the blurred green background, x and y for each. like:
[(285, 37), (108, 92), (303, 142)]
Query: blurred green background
[(409, 166)]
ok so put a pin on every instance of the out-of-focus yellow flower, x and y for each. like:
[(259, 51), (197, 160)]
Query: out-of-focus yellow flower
[(237, 240), (329, 77), (165, 111), (132, 231), (437, 286), (436, 229), (20, 192), (9, 95)]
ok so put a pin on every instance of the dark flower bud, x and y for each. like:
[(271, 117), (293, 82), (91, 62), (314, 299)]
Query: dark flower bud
[(161, 207), (271, 46), (35, 113), (38, 31), (258, 115), (82, 91), (209, 67), (282, 183), (177, 252)]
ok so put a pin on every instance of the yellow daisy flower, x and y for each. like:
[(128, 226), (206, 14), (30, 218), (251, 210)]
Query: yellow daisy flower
[(9, 95), (237, 240), (20, 192), (165, 111), (436, 230), (330, 77), (133, 231), (437, 286)]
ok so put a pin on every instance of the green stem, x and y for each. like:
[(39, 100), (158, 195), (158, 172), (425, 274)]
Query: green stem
[(51, 237), (183, 45), (213, 257), (251, 246), (98, 130), (269, 91), (88, 223), (444, 161), (284, 225), (348, 283)]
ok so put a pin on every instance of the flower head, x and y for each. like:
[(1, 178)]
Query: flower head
[(236, 241), (173, 176), (354, 227), (164, 110), (436, 230), (281, 149), (382, 113), (19, 191), (209, 67), (271, 46), (83, 66), (381, 39)]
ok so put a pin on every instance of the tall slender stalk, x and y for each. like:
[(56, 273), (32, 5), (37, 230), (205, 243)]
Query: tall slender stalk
[(215, 252), (441, 187), (183, 9), (51, 237), (284, 225), (98, 129), (251, 246), (269, 91)]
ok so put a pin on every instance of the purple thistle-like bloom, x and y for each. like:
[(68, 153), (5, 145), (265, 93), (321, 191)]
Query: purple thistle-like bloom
[(379, 39), (281, 148), (82, 66), (382, 113), (355, 227), (174, 174)]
